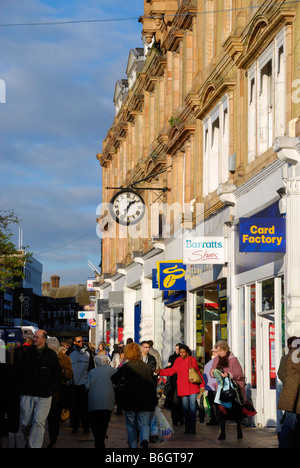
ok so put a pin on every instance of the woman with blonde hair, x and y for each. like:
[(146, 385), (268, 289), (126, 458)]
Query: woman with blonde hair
[(136, 389), (228, 366)]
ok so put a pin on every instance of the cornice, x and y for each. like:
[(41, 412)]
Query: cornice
[(244, 49)]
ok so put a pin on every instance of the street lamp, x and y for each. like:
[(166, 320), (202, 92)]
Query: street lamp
[(22, 299)]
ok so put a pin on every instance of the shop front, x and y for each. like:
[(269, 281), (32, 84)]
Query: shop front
[(260, 300)]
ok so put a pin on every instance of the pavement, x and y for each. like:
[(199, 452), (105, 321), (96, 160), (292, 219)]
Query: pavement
[(205, 437)]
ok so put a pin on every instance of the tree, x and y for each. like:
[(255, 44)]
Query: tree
[(11, 260)]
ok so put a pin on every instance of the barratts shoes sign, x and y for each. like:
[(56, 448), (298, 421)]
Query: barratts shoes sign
[(262, 235), (204, 250)]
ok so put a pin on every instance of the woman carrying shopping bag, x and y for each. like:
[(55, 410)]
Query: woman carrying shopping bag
[(188, 385), (226, 366)]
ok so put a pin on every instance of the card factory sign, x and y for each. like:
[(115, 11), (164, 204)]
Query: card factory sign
[(203, 250), (262, 235)]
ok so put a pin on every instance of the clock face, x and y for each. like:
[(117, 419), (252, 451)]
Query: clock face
[(127, 207)]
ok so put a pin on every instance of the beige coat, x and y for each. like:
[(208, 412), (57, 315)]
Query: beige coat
[(290, 397)]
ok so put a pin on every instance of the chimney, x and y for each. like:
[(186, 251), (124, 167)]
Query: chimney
[(55, 281)]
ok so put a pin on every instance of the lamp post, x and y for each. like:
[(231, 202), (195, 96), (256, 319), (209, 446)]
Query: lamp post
[(22, 299)]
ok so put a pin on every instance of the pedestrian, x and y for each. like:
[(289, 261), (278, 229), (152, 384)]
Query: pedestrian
[(102, 349), (135, 381), (186, 388), (283, 360), (281, 374), (82, 362), (289, 400), (146, 356), (121, 361), (172, 400), (39, 374), (211, 387), (228, 366), (154, 352), (9, 400), (57, 405), (116, 359), (101, 398)]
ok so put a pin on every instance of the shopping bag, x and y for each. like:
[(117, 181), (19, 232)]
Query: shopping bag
[(154, 429), (165, 429)]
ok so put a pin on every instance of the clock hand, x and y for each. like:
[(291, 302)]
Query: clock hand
[(123, 216), (129, 205)]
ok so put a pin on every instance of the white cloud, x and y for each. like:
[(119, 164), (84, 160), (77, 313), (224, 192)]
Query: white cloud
[(59, 89)]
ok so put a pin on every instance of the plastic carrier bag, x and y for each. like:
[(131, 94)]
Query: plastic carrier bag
[(165, 429)]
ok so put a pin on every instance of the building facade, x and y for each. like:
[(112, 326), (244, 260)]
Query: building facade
[(207, 133)]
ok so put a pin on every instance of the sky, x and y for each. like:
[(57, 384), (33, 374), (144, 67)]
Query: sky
[(58, 107)]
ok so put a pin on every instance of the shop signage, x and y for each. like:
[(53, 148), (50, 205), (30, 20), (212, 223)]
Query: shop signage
[(102, 306), (171, 275), (203, 250), (90, 284), (262, 235), (154, 279), (83, 315), (115, 299), (92, 323), (89, 307)]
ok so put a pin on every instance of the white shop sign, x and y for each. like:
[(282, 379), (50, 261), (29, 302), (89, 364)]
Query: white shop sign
[(204, 250)]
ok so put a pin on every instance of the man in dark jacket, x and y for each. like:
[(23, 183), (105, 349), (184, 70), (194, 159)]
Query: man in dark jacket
[(39, 374)]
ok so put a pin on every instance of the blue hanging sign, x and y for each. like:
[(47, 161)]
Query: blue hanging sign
[(263, 235), (171, 275)]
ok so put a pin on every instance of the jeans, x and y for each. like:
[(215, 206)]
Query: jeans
[(289, 425), (138, 421), (33, 415), (189, 403)]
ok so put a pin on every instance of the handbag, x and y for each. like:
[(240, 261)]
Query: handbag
[(168, 387), (233, 393), (194, 377), (239, 398)]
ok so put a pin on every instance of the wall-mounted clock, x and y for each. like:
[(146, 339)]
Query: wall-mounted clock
[(127, 207)]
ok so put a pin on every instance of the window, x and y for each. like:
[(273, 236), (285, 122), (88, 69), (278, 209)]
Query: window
[(266, 98), (215, 147)]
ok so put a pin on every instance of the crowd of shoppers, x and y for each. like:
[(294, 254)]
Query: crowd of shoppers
[(47, 378)]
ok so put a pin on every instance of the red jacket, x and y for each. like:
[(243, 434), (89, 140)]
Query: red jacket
[(181, 367)]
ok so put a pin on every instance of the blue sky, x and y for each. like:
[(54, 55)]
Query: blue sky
[(60, 82)]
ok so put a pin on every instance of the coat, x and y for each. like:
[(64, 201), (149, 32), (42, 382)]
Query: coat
[(181, 367), (101, 393), (39, 372), (234, 369), (139, 393), (289, 399), (82, 362)]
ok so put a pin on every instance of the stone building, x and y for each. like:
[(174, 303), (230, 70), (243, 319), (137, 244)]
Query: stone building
[(208, 136)]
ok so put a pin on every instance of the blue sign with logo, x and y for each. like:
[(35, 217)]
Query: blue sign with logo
[(171, 275), (263, 235)]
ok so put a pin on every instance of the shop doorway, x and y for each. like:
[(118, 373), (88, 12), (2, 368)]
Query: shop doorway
[(211, 319), (264, 320), (267, 367)]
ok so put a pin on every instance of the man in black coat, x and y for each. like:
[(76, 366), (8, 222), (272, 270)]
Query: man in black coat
[(40, 375)]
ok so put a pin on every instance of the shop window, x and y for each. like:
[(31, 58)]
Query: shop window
[(215, 147), (267, 295), (266, 98)]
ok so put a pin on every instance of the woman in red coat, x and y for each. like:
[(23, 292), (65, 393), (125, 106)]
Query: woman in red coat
[(185, 388)]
